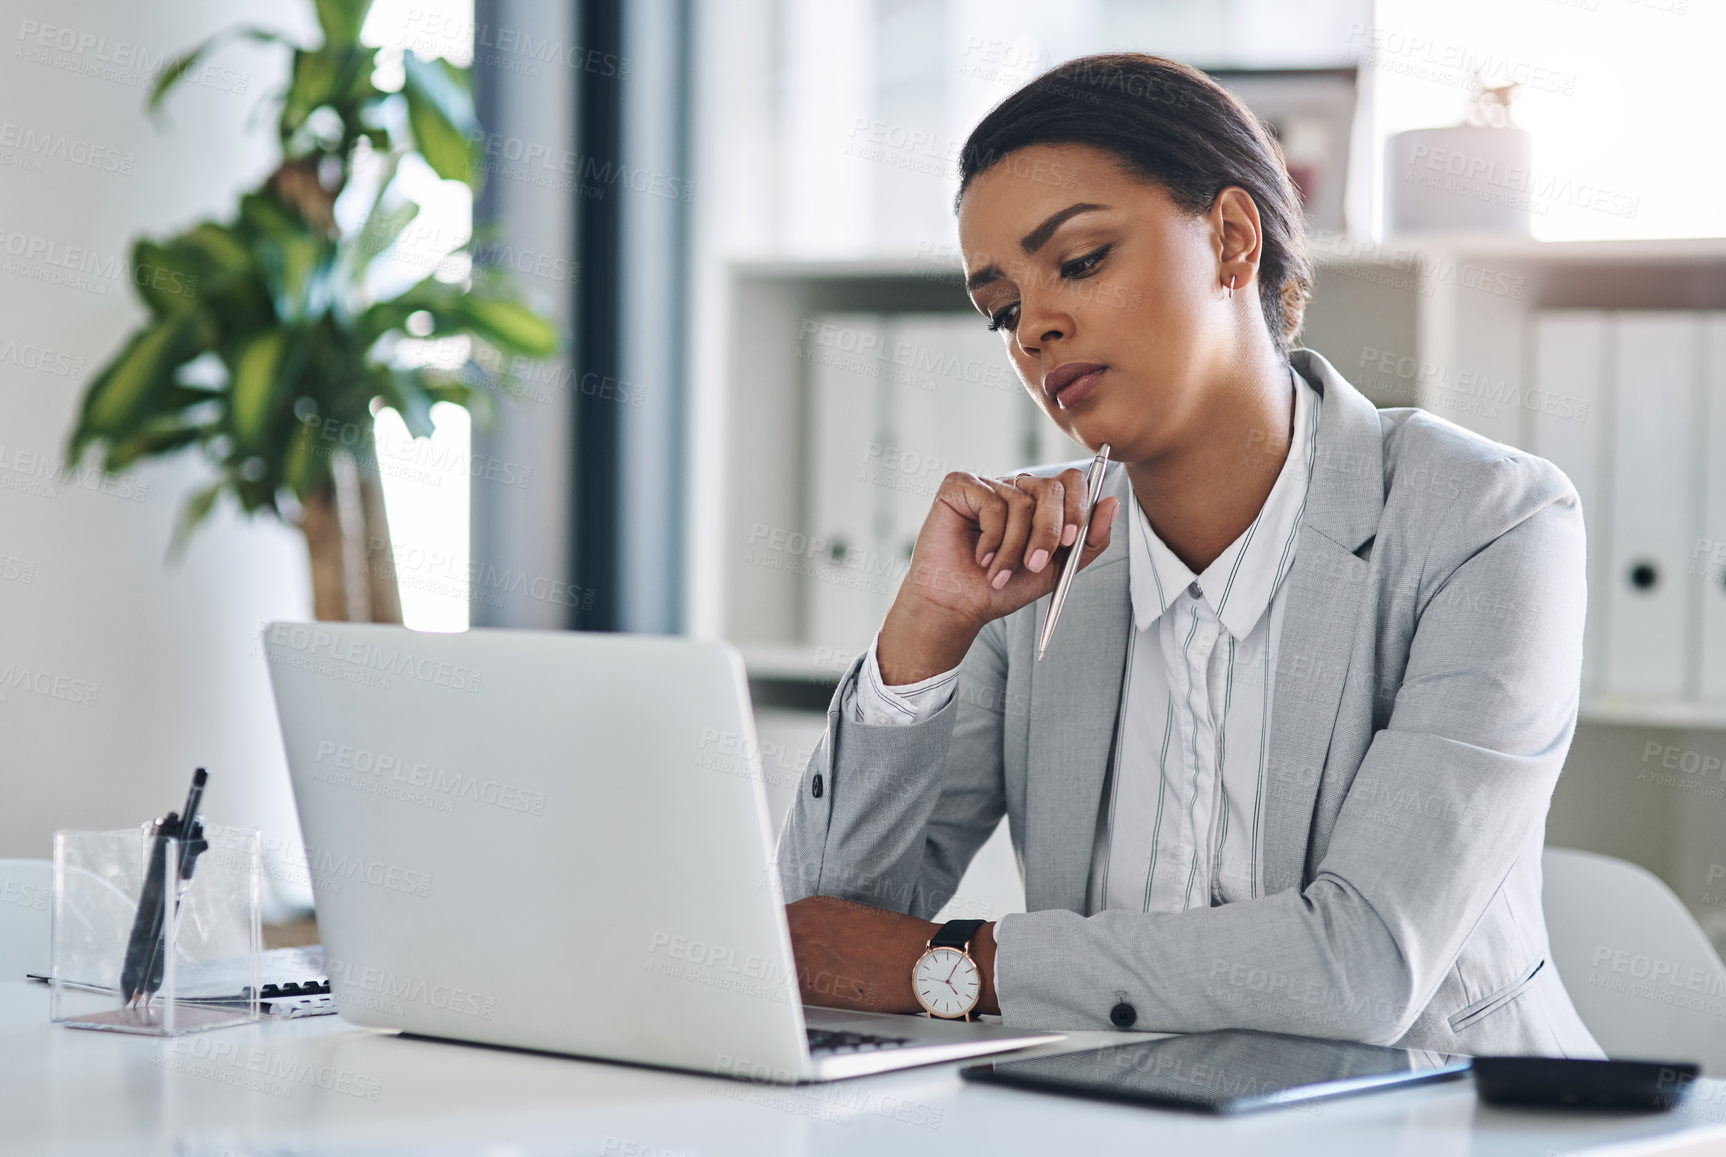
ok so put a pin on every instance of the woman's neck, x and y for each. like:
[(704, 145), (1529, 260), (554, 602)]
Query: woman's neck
[(1202, 498)]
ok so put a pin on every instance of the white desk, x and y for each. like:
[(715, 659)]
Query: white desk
[(260, 1092)]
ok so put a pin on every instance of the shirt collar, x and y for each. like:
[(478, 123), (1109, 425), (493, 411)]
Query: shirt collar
[(1239, 584)]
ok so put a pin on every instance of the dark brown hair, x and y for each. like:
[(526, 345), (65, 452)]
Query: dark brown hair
[(1169, 123)]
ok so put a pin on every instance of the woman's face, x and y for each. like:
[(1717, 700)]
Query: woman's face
[(1081, 265)]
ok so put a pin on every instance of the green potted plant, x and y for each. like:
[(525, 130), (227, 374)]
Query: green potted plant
[(266, 346)]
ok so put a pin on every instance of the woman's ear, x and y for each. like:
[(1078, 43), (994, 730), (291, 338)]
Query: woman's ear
[(1239, 237)]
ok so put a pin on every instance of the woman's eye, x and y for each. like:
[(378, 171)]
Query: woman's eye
[(1086, 265), (1004, 317)]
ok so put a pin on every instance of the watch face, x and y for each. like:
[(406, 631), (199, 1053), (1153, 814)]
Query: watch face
[(946, 982)]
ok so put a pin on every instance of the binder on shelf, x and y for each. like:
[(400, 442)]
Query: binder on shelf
[(1706, 558), (1570, 370), (1654, 355), (843, 597)]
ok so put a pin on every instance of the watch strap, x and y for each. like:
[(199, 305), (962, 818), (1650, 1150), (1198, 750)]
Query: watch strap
[(956, 934)]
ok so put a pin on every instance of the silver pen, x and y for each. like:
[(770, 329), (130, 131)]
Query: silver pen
[(1093, 491)]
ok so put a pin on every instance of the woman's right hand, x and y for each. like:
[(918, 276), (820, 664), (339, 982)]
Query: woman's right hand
[(988, 547)]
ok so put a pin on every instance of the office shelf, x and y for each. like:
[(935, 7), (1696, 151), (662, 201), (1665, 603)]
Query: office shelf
[(1402, 317)]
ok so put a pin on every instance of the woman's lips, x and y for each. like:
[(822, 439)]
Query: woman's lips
[(1078, 389)]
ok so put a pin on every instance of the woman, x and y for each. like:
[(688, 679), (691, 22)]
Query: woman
[(1286, 763)]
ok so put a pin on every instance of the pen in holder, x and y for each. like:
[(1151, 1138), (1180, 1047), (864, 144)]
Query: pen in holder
[(140, 945)]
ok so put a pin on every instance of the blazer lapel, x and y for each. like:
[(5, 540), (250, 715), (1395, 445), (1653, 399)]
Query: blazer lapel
[(1075, 697), (1324, 609)]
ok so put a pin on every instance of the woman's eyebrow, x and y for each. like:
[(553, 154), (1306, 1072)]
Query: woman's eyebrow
[(1032, 241)]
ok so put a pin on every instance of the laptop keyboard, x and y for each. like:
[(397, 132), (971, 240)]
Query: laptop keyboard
[(822, 1040)]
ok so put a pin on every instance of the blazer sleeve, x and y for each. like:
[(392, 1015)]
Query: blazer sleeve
[(1476, 738), (890, 815)]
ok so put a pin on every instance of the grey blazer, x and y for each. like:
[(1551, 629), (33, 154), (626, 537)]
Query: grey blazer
[(1426, 692)]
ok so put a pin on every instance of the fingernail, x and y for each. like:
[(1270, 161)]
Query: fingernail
[(1037, 561), (987, 559), (1069, 533), (1000, 580)]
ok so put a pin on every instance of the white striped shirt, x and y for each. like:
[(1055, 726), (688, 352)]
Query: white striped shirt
[(1196, 701), (1181, 822)]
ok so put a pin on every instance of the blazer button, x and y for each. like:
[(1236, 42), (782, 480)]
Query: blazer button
[(1123, 1015), (815, 786)]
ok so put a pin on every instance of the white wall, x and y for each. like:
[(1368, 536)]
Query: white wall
[(86, 596)]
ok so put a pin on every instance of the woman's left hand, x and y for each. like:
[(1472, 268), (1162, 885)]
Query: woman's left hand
[(852, 956)]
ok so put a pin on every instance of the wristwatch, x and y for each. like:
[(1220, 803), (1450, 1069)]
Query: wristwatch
[(945, 978)]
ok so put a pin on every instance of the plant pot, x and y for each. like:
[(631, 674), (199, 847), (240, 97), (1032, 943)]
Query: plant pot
[(1465, 177)]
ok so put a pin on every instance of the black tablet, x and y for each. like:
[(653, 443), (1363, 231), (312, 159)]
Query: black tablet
[(1229, 1071)]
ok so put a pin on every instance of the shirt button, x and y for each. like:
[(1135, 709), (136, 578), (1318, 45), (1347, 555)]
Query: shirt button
[(1196, 590), (815, 786), (1123, 1015)]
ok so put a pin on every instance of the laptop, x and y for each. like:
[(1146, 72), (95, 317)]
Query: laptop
[(560, 841)]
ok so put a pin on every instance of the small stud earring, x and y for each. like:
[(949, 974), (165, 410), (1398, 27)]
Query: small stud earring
[(1229, 293)]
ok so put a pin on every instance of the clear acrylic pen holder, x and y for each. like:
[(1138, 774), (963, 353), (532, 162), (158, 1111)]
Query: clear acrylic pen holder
[(185, 961)]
